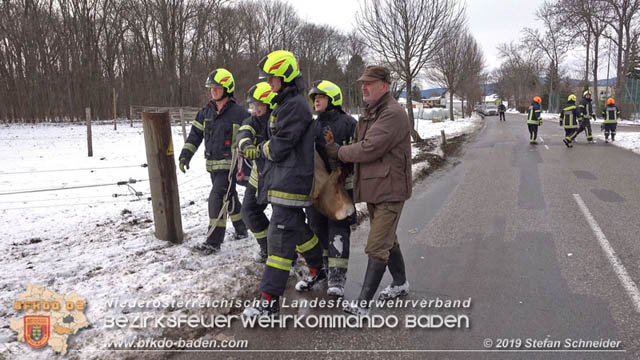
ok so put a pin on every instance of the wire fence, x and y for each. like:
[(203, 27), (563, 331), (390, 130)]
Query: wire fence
[(132, 194)]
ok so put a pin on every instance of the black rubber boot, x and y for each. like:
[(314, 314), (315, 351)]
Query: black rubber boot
[(396, 266), (372, 278)]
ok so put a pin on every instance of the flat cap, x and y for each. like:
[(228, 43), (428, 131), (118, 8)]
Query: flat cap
[(376, 72)]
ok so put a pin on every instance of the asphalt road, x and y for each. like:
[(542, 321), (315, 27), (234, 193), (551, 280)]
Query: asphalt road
[(502, 224)]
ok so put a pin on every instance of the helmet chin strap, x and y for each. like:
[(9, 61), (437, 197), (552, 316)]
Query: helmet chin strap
[(224, 95)]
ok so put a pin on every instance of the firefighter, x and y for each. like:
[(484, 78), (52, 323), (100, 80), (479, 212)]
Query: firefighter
[(333, 235), (252, 132), (569, 120), (286, 182), (586, 113), (610, 114), (217, 123), (534, 119), (501, 110)]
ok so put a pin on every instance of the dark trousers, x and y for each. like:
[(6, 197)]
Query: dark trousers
[(610, 129), (502, 116), (533, 132), (334, 237), (288, 233), (254, 217), (585, 125), (220, 182), (570, 134)]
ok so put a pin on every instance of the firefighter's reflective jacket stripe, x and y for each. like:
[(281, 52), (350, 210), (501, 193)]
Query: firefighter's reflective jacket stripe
[(348, 182), (224, 164), (252, 132), (302, 248), (218, 223), (198, 125), (190, 147), (253, 178), (287, 177), (534, 114), (338, 263), (586, 109), (288, 199), (610, 114), (218, 130), (261, 234), (248, 127), (569, 120), (279, 263)]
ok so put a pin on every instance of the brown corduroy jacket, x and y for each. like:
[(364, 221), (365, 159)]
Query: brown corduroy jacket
[(381, 153)]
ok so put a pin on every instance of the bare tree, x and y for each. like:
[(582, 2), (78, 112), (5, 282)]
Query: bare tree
[(518, 76), (406, 34), (621, 21), (591, 28), (553, 43), (59, 56), (457, 61)]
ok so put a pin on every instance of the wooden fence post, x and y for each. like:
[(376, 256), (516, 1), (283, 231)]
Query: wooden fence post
[(87, 113), (162, 176), (184, 131), (444, 138)]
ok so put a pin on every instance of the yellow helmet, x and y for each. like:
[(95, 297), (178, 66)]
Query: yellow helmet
[(586, 92), (571, 97), (279, 63), (261, 93), (221, 77), (327, 88)]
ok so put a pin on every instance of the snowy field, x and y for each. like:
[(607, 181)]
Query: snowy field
[(66, 226)]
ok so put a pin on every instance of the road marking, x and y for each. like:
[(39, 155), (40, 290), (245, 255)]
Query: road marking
[(546, 147), (623, 276), (541, 139)]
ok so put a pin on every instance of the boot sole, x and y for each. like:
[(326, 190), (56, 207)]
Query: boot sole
[(385, 298)]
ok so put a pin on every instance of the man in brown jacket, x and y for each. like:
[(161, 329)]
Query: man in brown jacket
[(382, 157)]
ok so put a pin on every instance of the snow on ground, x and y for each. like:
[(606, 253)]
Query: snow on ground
[(626, 140), (87, 241)]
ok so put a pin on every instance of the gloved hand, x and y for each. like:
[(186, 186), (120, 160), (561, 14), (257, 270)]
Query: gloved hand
[(250, 152), (262, 150), (183, 163), (332, 155), (332, 150)]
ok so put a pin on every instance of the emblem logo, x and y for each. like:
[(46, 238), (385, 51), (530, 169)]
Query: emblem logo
[(36, 330)]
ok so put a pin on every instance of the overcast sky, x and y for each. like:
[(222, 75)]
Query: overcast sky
[(490, 21)]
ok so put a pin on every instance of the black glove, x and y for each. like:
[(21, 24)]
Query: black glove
[(183, 163)]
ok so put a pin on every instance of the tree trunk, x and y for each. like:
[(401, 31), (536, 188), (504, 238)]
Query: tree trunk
[(596, 94), (451, 105), (586, 69), (414, 134)]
